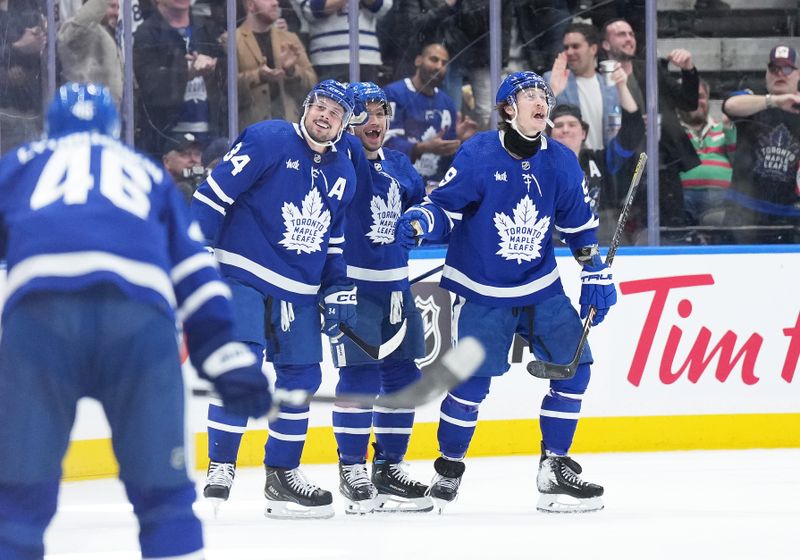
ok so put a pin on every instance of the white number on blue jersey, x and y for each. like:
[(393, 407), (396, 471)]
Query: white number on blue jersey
[(238, 162), (448, 176), (67, 176)]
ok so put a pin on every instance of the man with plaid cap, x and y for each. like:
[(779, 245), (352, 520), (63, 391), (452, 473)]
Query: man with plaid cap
[(764, 189)]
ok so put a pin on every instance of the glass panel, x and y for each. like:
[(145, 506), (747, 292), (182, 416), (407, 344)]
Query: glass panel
[(730, 178), (23, 76)]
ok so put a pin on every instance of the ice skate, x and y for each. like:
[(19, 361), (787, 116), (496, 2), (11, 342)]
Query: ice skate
[(219, 480), (290, 496), (445, 483), (359, 493), (562, 490), (398, 492)]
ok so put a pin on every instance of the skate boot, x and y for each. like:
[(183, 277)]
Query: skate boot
[(359, 493), (398, 492), (290, 496), (445, 483), (562, 490), (219, 480)]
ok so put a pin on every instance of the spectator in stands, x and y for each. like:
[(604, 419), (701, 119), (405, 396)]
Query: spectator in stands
[(411, 24), (676, 153), (536, 33), (182, 161), (87, 46), (23, 38), (764, 189), (330, 37), (470, 63), (425, 125), (574, 80), (175, 57), (705, 186), (274, 71), (601, 166)]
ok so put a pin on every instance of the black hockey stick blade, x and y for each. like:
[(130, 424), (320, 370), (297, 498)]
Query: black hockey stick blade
[(455, 367), (550, 370), (374, 352), (427, 274)]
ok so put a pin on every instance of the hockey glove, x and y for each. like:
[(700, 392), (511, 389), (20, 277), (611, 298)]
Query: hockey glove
[(414, 224), (597, 290), (236, 374), (339, 306)]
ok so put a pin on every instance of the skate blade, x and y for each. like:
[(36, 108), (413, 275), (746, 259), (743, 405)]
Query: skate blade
[(389, 503), (439, 504), (291, 510), (562, 503), (216, 504), (362, 507)]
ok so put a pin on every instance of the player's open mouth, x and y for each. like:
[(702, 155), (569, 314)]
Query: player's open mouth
[(374, 133), (538, 116), (322, 124)]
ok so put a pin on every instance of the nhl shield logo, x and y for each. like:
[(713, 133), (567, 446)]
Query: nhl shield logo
[(526, 165), (430, 327), (317, 158)]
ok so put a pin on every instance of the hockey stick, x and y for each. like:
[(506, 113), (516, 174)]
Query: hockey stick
[(374, 352), (425, 275), (455, 367), (549, 370)]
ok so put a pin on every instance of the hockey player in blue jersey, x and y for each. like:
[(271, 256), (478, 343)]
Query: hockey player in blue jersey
[(273, 210), (503, 195), (387, 185), (102, 260)]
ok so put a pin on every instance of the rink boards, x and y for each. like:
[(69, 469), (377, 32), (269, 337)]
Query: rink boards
[(701, 352)]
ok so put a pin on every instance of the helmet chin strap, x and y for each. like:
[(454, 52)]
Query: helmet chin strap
[(308, 137), (513, 123)]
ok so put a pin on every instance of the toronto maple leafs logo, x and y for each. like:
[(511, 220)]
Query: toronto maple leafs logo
[(521, 237), (385, 213), (305, 229)]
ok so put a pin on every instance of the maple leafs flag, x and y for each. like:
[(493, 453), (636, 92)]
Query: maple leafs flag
[(305, 230), (521, 238)]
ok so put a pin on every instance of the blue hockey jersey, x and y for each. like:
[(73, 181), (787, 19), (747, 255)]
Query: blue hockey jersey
[(83, 209), (274, 210), (417, 117), (503, 211), (387, 186)]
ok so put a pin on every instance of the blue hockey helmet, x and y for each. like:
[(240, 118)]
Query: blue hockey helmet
[(336, 91), (518, 81), (82, 107), (363, 94)]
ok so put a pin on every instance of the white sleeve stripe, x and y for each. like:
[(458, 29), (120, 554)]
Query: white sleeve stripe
[(80, 263), (335, 251), (265, 274), (200, 296), (453, 215), (208, 202), (191, 265), (336, 240), (218, 190), (592, 223)]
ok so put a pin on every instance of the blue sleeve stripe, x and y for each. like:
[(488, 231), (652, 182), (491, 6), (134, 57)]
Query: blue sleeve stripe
[(218, 190), (82, 263), (200, 297), (208, 202), (191, 265)]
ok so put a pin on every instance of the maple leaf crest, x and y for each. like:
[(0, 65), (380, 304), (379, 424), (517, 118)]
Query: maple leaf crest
[(385, 214), (305, 229), (521, 237)]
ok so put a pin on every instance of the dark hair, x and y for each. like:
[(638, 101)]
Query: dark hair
[(588, 31), (606, 25)]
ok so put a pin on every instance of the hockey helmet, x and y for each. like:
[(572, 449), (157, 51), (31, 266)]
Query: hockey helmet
[(82, 107), (336, 91), (363, 94), (518, 81)]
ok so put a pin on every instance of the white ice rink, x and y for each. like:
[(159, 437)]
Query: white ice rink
[(688, 505)]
